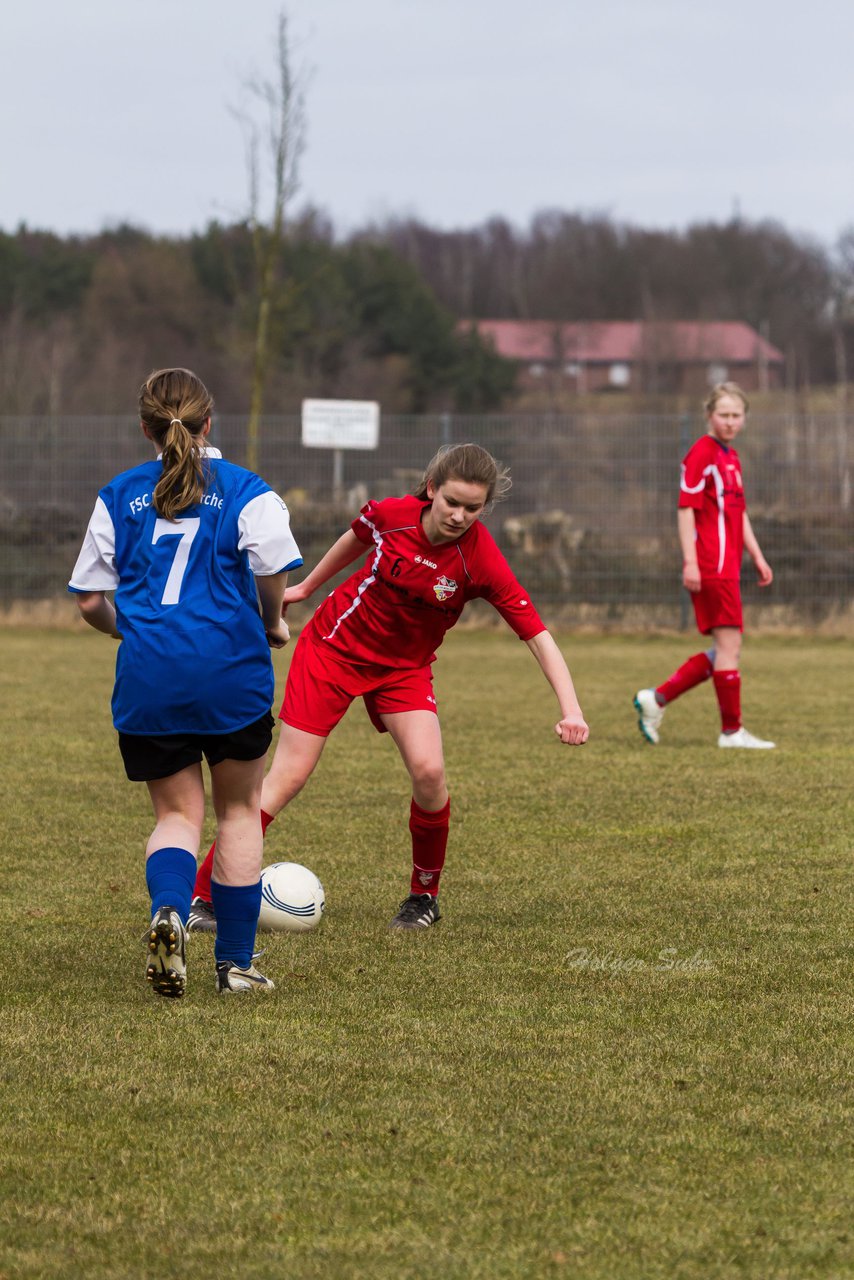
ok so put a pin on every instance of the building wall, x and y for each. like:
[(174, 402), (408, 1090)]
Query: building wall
[(648, 377)]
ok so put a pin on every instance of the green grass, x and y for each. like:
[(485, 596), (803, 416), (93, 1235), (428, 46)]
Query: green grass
[(625, 1051)]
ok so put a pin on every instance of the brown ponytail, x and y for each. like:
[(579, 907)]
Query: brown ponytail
[(174, 405)]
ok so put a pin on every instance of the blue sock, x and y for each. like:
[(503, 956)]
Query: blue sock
[(236, 909), (171, 874)]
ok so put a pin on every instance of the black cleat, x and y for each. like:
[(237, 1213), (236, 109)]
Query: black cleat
[(166, 968), (201, 918), (418, 911)]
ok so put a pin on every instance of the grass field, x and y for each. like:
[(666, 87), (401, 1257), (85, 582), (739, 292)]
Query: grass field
[(625, 1051)]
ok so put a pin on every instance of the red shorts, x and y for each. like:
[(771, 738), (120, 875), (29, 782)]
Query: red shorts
[(321, 686), (717, 604)]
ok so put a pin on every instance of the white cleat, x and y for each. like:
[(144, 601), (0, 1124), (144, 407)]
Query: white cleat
[(741, 738), (650, 714), (231, 978)]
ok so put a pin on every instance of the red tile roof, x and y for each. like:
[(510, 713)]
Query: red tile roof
[(629, 341)]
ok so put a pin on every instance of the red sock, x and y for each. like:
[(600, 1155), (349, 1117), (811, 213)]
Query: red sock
[(429, 842), (202, 887), (728, 689), (694, 671)]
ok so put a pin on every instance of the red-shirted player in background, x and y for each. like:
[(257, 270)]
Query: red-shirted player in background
[(375, 637), (714, 530)]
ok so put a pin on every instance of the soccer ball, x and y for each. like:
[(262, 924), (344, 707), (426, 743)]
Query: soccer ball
[(292, 898)]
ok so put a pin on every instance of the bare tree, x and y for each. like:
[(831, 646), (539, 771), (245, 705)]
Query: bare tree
[(275, 146)]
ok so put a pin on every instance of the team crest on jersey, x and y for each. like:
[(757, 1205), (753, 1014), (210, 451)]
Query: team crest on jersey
[(444, 588)]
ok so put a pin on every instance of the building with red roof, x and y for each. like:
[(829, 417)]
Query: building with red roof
[(635, 355)]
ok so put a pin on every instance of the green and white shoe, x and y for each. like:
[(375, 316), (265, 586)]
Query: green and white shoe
[(650, 714)]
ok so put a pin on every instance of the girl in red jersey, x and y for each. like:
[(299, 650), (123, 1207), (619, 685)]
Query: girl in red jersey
[(714, 531), (375, 637)]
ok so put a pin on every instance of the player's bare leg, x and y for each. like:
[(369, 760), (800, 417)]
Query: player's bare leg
[(418, 738), (294, 761), (179, 810), (727, 648), (236, 793)]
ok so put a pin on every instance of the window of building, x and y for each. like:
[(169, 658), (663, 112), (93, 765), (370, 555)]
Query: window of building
[(619, 375), (717, 373)]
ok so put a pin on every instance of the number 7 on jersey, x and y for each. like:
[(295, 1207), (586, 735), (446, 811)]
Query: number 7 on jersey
[(186, 531)]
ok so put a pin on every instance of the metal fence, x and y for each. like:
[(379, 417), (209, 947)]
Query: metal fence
[(589, 525)]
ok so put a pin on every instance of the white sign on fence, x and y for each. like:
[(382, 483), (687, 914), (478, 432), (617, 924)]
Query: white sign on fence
[(340, 424)]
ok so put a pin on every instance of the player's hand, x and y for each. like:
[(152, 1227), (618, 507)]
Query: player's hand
[(294, 595), (691, 577), (573, 730), (764, 572), (278, 637)]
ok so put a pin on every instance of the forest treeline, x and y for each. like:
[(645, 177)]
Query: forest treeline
[(374, 316)]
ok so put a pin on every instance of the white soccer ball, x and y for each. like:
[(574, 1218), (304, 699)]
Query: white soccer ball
[(292, 898)]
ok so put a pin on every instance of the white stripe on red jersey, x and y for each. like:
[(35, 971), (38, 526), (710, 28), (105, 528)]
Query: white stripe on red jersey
[(711, 484)]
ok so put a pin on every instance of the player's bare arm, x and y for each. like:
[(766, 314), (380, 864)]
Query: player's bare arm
[(98, 611), (271, 590), (572, 728), (751, 545), (343, 552), (687, 526)]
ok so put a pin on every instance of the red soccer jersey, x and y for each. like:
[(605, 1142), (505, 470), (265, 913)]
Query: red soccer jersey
[(395, 610), (711, 483)]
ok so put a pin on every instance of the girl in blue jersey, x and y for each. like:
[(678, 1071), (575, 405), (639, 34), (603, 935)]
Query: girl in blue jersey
[(190, 544)]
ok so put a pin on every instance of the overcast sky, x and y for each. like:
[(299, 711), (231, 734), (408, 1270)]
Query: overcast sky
[(654, 112)]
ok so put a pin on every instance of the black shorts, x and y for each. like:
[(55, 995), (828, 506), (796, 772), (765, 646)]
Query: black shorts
[(148, 758)]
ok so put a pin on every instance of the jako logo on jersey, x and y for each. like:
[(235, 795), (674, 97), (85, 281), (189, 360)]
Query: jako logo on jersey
[(444, 588), (429, 563)]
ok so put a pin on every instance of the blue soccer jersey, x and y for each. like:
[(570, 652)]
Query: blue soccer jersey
[(194, 657)]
